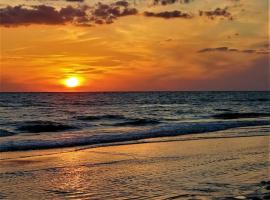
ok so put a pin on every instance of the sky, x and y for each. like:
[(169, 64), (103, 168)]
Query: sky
[(134, 45)]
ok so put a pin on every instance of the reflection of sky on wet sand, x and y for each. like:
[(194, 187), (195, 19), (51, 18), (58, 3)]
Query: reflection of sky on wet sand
[(153, 170)]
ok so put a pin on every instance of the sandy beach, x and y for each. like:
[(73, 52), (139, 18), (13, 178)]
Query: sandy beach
[(197, 169)]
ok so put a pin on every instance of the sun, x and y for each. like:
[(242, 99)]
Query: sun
[(72, 82)]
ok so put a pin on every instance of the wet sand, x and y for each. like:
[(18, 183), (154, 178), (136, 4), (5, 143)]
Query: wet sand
[(216, 168)]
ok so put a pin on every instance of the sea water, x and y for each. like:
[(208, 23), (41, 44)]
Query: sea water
[(55, 120)]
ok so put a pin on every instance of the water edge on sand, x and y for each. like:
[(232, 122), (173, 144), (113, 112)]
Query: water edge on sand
[(211, 168)]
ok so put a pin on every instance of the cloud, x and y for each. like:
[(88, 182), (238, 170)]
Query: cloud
[(168, 14), (80, 15), (227, 49), (107, 13), (218, 12), (214, 49), (122, 3), (99, 13), (41, 14), (167, 2), (75, 0)]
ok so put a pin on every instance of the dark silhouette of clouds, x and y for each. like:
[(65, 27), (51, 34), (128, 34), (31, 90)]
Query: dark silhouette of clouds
[(168, 14), (80, 15), (41, 14), (75, 0), (107, 13), (227, 49), (167, 2), (100, 13), (122, 3), (218, 12)]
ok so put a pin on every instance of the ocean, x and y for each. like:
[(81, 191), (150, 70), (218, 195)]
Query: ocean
[(31, 121)]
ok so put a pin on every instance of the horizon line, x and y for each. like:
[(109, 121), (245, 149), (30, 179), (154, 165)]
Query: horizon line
[(135, 91)]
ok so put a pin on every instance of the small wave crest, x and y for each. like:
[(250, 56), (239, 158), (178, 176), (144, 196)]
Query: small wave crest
[(240, 115), (160, 131), (223, 109), (252, 100), (124, 121), (100, 117), (5, 133), (138, 122), (42, 126)]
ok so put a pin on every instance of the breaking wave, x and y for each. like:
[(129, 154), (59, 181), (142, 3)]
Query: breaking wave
[(158, 131), (100, 117), (42, 126), (138, 122), (240, 115), (5, 133)]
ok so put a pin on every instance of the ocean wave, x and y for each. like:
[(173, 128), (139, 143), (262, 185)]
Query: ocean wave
[(125, 120), (5, 133), (223, 109), (161, 131), (252, 100), (138, 122), (42, 126), (240, 115), (100, 117)]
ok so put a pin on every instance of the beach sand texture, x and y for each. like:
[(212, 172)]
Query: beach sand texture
[(197, 169)]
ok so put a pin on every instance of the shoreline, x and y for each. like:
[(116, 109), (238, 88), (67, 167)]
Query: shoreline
[(61, 150), (201, 169), (174, 130)]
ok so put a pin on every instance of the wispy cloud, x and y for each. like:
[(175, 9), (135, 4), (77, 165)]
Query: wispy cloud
[(227, 49)]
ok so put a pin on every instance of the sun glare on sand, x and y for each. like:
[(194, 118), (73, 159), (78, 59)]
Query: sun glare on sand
[(72, 82)]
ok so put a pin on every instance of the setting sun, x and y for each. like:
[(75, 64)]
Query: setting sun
[(72, 82)]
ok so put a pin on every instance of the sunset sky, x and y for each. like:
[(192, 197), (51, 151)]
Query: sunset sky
[(134, 45)]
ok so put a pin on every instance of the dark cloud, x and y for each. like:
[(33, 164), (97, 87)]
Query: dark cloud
[(118, 9), (107, 13), (41, 14), (167, 2), (122, 3), (168, 14), (218, 12), (75, 0), (80, 15), (226, 49), (84, 15), (214, 49)]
